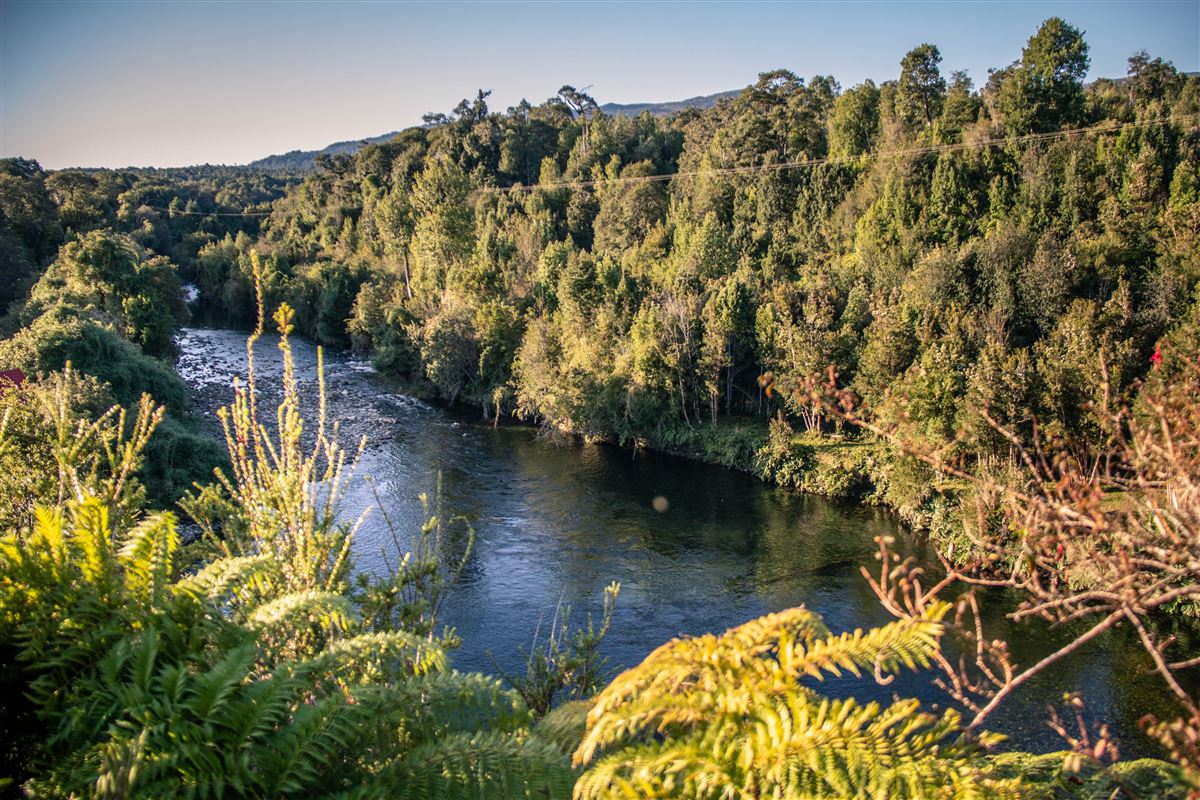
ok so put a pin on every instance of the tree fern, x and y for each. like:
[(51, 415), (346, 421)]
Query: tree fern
[(728, 717)]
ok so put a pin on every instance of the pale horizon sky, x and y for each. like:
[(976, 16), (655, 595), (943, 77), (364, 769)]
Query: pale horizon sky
[(115, 83)]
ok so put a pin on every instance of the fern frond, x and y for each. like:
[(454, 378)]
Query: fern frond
[(147, 557), (477, 767), (380, 657), (299, 755), (235, 573), (728, 717), (433, 706), (90, 535), (327, 610), (212, 690), (907, 643), (564, 726)]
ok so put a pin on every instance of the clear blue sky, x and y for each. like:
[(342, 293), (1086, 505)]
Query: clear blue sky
[(170, 83)]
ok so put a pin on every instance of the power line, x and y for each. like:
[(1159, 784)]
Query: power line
[(786, 165), (816, 162), (182, 212)]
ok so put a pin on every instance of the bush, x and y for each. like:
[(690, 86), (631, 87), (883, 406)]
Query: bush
[(108, 277), (64, 335)]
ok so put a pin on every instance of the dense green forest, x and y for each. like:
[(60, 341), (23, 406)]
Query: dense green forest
[(905, 293), (946, 247), (92, 276)]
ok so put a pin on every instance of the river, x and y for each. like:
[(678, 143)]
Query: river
[(556, 524)]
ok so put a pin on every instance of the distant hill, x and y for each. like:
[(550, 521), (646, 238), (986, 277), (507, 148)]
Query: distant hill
[(663, 109), (301, 160)]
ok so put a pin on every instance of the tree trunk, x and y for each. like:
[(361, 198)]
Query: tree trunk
[(683, 401), (729, 387)]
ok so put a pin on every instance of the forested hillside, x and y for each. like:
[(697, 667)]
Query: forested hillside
[(91, 276), (948, 248), (303, 160), (173, 212)]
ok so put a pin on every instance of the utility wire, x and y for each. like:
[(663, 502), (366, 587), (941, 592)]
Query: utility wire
[(181, 212), (786, 165)]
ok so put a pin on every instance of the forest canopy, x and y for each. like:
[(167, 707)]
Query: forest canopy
[(647, 279)]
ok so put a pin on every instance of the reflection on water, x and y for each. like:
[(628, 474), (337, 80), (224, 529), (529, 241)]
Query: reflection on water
[(558, 524)]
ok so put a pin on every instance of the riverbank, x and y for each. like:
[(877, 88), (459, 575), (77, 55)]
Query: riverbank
[(843, 467)]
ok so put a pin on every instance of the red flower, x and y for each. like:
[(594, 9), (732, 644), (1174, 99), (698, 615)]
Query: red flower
[(1156, 359)]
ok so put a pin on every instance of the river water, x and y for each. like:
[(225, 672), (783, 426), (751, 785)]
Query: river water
[(556, 524)]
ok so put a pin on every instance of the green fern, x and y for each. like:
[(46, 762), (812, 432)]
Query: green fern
[(326, 610), (147, 556), (727, 717), (227, 577), (259, 675), (565, 726), (476, 767)]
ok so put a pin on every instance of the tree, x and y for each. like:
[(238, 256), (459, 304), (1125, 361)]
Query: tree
[(450, 349), (442, 237), (30, 230), (1151, 79), (1044, 91), (583, 107), (629, 207), (109, 277), (1057, 57), (854, 124), (922, 89), (962, 105)]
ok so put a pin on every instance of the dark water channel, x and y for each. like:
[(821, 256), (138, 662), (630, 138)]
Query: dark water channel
[(559, 523)]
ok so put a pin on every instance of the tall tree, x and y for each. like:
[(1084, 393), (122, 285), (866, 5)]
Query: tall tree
[(1044, 91), (922, 88)]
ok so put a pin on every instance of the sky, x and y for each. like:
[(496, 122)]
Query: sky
[(155, 83)]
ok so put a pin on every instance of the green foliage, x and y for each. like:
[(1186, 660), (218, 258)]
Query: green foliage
[(854, 124), (921, 89), (112, 280), (599, 299), (729, 716), (1044, 90), (110, 369), (568, 665), (845, 469), (62, 335), (30, 228), (943, 275), (43, 424), (259, 674), (1046, 776)]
